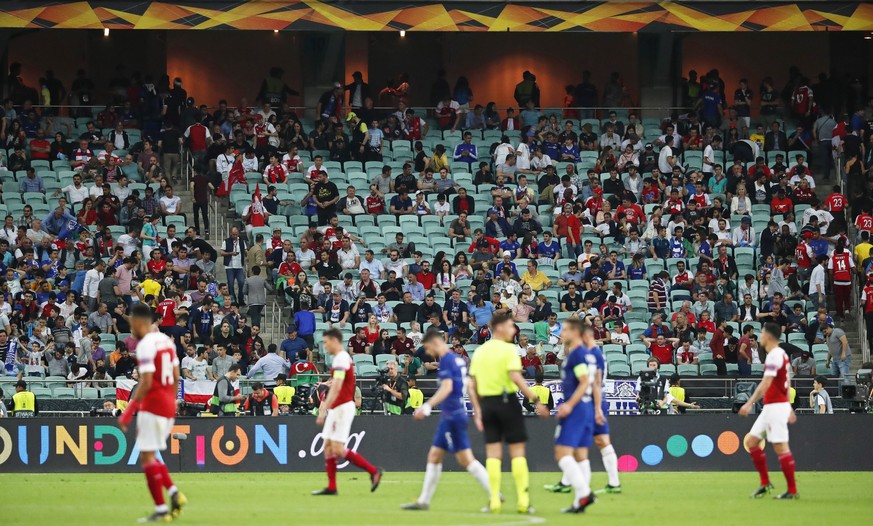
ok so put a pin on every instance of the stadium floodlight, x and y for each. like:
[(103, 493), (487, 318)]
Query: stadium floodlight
[(402, 33), (105, 31)]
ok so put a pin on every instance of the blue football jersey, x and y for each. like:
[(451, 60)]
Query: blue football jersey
[(453, 367)]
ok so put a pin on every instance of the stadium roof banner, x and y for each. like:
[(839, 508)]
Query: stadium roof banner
[(445, 15)]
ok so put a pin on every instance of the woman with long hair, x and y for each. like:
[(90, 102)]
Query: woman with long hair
[(372, 330), (637, 268), (445, 279), (87, 216), (383, 344), (461, 269)]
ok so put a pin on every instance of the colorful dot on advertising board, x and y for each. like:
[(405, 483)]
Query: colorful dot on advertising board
[(228, 445), (702, 446), (628, 463), (728, 442), (677, 445), (652, 455), (98, 445)]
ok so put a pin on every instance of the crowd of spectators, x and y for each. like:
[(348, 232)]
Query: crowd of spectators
[(657, 232)]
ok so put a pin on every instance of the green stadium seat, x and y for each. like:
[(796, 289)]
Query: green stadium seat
[(707, 369), (687, 370), (360, 359), (64, 392), (367, 370)]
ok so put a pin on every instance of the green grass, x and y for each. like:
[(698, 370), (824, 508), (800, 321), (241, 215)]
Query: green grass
[(270, 499)]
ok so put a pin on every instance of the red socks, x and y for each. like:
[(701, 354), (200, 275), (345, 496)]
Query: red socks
[(359, 461), (330, 468), (760, 460), (786, 460), (165, 477), (154, 478)]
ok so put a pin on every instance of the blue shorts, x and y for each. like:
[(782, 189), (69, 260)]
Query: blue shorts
[(602, 429), (577, 430), (451, 434)]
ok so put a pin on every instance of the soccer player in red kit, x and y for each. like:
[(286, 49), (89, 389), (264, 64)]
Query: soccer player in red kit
[(773, 421), (336, 414), (154, 404)]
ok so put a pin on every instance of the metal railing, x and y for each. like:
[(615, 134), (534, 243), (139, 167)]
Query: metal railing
[(274, 322)]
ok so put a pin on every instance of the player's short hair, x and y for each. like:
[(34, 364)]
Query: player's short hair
[(773, 329), (433, 334), (234, 368), (257, 386), (577, 325), (499, 318), (336, 334), (142, 311)]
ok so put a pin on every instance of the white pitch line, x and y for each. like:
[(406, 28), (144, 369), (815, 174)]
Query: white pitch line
[(515, 521)]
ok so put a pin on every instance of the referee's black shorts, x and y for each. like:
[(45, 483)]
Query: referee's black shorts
[(503, 420)]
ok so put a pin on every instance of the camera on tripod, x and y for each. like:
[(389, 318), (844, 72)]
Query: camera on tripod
[(650, 392), (381, 380), (301, 403), (858, 394)]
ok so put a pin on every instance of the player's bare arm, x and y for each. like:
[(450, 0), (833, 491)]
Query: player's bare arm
[(332, 394), (474, 400), (599, 417), (757, 395), (519, 381), (567, 407), (143, 386), (442, 393)]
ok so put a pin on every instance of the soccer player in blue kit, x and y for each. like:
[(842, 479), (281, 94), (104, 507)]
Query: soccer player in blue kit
[(579, 412), (451, 434), (601, 440)]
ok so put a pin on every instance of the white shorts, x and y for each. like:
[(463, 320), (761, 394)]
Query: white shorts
[(772, 423), (152, 431), (338, 423)]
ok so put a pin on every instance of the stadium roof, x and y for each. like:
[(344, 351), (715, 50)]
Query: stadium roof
[(445, 15)]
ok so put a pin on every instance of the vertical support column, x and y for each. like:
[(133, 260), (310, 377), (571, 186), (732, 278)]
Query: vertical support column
[(357, 55), (659, 61), (323, 58)]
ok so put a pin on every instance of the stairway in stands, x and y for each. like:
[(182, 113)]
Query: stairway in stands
[(851, 325)]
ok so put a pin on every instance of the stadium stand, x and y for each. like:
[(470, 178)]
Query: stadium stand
[(694, 226)]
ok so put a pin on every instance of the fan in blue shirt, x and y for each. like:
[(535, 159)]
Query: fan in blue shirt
[(551, 250)]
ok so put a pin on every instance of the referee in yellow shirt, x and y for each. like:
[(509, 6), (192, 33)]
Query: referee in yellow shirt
[(495, 377)]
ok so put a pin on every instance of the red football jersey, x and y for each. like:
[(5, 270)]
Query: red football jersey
[(864, 222), (375, 205), (800, 100), (664, 353), (836, 202), (867, 298), (166, 310), (778, 366), (156, 353), (842, 265), (343, 362), (275, 174), (801, 252)]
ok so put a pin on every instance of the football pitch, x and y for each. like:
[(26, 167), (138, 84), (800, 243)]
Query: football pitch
[(269, 498)]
